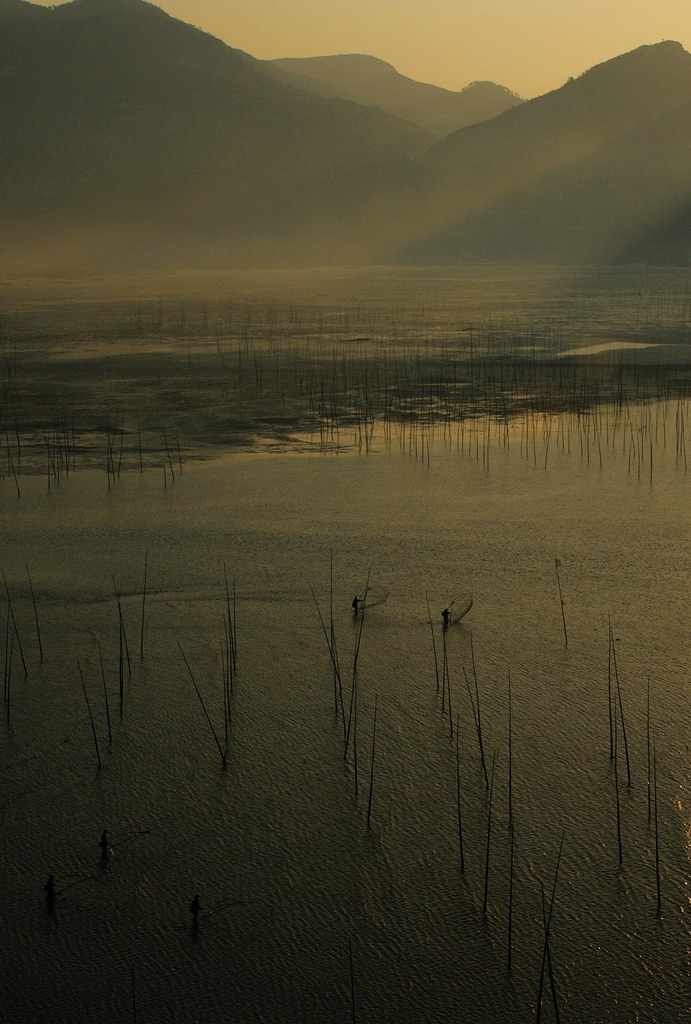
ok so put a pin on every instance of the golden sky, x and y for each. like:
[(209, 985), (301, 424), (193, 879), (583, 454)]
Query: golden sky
[(530, 46)]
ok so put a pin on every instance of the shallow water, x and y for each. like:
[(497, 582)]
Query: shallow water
[(282, 830), (128, 372)]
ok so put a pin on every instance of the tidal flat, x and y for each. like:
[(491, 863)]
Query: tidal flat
[(197, 477)]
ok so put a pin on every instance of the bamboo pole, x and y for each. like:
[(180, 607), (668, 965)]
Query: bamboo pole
[(371, 777), (14, 625), (105, 693), (478, 720), (8, 680), (91, 717), (657, 834), (141, 632), (547, 927), (434, 642), (557, 564), (647, 743), (621, 714), (458, 798), (550, 969), (332, 654), (509, 943), (609, 687), (224, 754), (33, 601), (616, 789), (489, 833), (510, 758), (7, 653), (123, 630)]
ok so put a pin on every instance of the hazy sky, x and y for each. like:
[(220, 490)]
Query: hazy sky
[(530, 46)]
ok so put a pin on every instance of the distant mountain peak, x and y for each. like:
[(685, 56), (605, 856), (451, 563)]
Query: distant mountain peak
[(374, 82), (651, 57), (18, 6), (109, 3)]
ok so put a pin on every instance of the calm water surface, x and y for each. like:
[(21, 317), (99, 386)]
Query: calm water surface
[(281, 833)]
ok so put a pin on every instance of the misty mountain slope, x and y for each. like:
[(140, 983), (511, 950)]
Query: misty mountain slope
[(130, 138), (374, 82), (115, 117), (581, 173)]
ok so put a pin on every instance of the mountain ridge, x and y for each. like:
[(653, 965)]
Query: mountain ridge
[(137, 124), (371, 81), (128, 136), (570, 149)]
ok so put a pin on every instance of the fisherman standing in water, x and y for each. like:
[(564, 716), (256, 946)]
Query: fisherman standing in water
[(355, 605), (103, 843), (49, 889), (445, 618), (194, 910)]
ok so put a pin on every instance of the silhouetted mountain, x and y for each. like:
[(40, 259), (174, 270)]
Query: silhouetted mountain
[(375, 83), (597, 171), (130, 138), (123, 127)]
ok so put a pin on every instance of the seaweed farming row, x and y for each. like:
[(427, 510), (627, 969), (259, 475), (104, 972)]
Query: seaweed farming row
[(104, 387)]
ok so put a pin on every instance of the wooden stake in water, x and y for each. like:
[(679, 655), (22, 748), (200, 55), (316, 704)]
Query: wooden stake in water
[(232, 627), (489, 833), (354, 706), (121, 671), (139, 434), (352, 717), (8, 679), (224, 683), (510, 761), (227, 671), (371, 774), (657, 834), (91, 717), (621, 714), (510, 919), (477, 730), (14, 626), (545, 949), (331, 644), (33, 601), (141, 633), (550, 970), (616, 789), (458, 798), (434, 642), (609, 687), (448, 689), (647, 743), (332, 633), (224, 754), (557, 564), (7, 653), (105, 693), (124, 632), (478, 720)]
